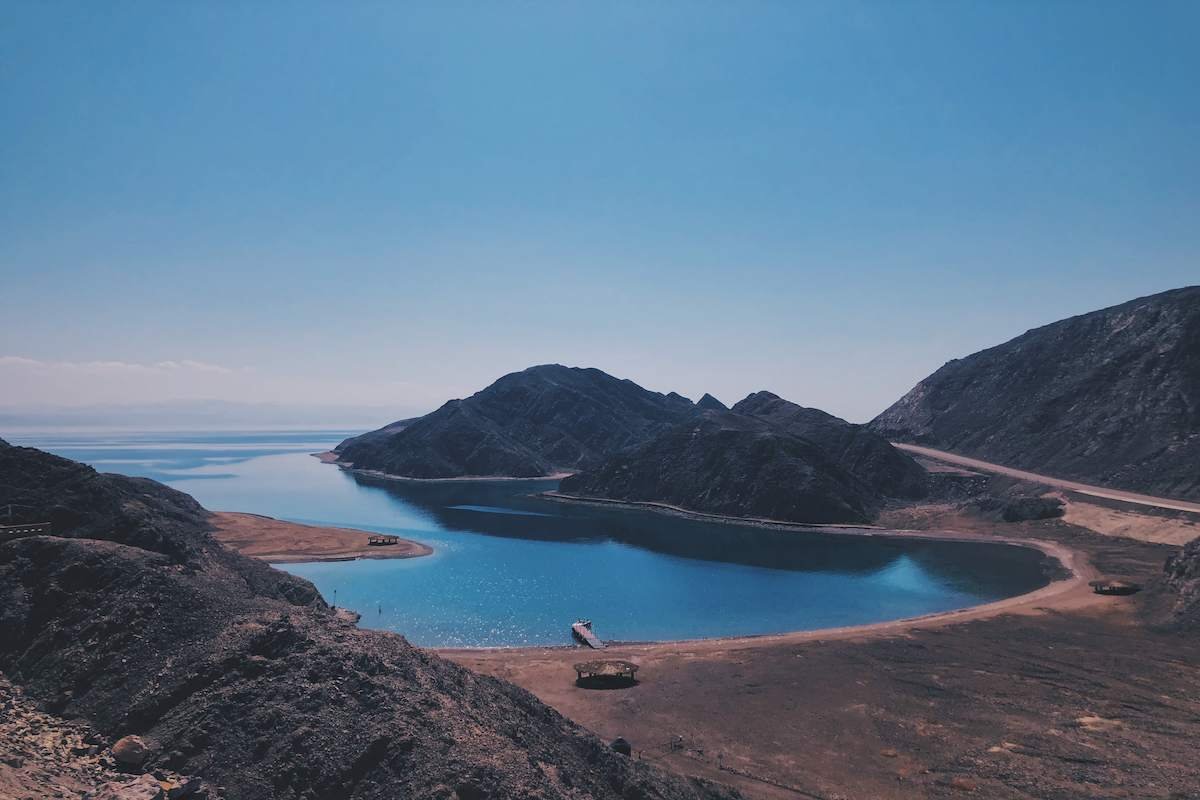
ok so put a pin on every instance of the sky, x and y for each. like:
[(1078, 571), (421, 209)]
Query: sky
[(388, 205)]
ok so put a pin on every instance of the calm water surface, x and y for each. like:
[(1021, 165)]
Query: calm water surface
[(511, 569)]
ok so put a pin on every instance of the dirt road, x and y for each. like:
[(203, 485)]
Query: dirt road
[(1074, 486)]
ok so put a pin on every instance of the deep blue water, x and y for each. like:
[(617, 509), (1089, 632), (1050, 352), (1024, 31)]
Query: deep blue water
[(512, 569)]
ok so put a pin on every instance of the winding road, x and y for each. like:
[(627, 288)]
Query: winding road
[(1074, 486)]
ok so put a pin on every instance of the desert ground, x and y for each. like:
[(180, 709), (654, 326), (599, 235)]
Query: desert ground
[(1064, 694)]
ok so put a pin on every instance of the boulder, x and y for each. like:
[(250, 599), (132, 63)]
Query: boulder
[(621, 745), (130, 752)]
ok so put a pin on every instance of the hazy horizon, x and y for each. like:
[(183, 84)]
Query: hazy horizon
[(384, 207)]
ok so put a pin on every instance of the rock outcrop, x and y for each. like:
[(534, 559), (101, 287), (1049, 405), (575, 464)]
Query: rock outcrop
[(1174, 601), (543, 420), (732, 464), (1111, 397), (135, 620)]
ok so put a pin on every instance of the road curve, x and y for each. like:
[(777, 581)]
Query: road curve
[(1074, 486)]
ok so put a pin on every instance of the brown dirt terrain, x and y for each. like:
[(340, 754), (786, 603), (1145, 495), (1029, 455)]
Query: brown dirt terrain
[(282, 542), (1070, 698)]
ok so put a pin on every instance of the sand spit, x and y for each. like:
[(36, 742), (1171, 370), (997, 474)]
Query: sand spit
[(280, 542)]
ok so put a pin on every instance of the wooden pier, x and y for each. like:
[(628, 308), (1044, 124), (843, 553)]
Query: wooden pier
[(582, 630)]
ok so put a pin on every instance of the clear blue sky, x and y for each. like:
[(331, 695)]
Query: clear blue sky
[(396, 203)]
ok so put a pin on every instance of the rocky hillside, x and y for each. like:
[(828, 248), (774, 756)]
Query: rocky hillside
[(864, 454), (734, 464), (540, 421), (132, 618), (1111, 397), (1174, 601)]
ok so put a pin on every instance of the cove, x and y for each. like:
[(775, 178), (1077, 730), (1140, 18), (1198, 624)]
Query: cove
[(512, 569)]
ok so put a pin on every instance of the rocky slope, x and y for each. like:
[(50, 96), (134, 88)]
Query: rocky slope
[(135, 620), (857, 450), (1174, 601), (540, 421), (1111, 397), (727, 463)]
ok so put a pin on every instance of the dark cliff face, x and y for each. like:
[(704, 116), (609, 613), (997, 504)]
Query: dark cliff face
[(857, 450), (1174, 600), (733, 464), (1110, 397), (543, 420), (136, 620)]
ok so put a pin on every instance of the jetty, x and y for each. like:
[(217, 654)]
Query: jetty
[(582, 630)]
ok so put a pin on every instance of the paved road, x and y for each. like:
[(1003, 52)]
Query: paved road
[(1074, 486)]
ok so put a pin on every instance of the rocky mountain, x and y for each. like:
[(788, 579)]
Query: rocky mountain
[(133, 618), (1110, 397), (543, 420), (710, 403), (856, 449), (723, 462)]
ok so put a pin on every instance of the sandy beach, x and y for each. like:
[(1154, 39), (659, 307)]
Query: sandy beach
[(282, 542)]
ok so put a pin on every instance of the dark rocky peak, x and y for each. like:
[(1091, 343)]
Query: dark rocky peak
[(755, 400), (863, 453), (541, 420), (710, 403)]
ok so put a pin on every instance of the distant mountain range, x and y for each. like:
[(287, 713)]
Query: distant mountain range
[(766, 457), (1111, 397)]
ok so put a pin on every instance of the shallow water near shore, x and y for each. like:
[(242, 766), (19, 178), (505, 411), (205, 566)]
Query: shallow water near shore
[(513, 569)]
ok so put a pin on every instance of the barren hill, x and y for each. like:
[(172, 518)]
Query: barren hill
[(1111, 397)]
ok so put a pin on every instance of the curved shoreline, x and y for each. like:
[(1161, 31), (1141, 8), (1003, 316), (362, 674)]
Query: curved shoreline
[(277, 541), (704, 516), (1070, 591), (330, 457)]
